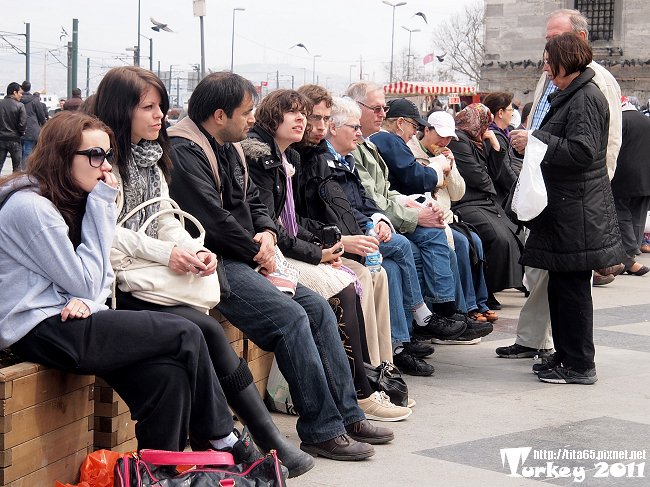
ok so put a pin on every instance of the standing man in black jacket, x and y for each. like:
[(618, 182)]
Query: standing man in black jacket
[(302, 332), (13, 120), (35, 119)]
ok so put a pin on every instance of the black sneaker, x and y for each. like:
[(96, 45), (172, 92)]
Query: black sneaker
[(408, 364), (244, 451), (519, 351), (567, 375), (547, 363), (475, 329), (418, 349), (440, 327)]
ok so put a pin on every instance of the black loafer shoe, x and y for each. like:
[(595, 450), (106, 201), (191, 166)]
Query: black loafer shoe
[(341, 448), (366, 432)]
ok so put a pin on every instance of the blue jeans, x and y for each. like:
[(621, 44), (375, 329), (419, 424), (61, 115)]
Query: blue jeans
[(404, 293), (437, 273), (28, 147), (303, 334), (473, 280)]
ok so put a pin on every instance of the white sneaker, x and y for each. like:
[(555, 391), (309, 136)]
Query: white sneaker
[(378, 407), (456, 341), (411, 403)]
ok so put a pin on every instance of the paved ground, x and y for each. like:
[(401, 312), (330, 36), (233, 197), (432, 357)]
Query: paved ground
[(477, 404)]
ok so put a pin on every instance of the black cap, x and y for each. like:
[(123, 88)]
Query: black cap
[(401, 107)]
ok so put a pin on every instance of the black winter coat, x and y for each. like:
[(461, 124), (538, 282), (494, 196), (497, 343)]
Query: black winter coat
[(267, 172), (632, 176), (578, 230), (503, 172), (35, 116)]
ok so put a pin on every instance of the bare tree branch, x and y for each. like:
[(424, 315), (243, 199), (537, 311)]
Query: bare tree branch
[(461, 40)]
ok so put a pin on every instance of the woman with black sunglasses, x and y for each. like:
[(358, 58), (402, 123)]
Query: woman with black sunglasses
[(134, 101), (57, 222)]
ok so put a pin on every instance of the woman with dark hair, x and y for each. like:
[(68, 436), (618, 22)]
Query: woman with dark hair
[(134, 101), (57, 223), (504, 174), (476, 149), (577, 232), (281, 120)]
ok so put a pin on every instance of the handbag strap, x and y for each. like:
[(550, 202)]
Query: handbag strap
[(144, 204), (210, 457), (175, 211)]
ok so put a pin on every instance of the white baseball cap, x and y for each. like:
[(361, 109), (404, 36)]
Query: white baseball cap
[(443, 123)]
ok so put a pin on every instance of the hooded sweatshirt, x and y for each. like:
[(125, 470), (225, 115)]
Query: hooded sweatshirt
[(40, 270)]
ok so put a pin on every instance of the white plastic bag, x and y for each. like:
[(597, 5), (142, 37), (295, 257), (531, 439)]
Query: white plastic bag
[(278, 397), (530, 199)]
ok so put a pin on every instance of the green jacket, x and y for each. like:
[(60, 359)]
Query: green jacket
[(374, 177)]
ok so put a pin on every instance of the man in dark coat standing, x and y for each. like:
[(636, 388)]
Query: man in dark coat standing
[(35, 119), (12, 126), (74, 102), (631, 184)]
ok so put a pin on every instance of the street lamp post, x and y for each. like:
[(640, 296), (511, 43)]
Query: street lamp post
[(352, 66), (137, 52), (313, 77), (408, 57), (392, 38), (232, 48), (150, 51)]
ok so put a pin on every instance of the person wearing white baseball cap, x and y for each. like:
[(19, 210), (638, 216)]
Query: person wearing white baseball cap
[(429, 149)]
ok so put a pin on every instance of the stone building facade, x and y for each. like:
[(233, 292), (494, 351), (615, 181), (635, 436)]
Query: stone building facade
[(514, 43)]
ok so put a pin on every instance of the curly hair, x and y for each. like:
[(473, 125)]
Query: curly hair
[(270, 112)]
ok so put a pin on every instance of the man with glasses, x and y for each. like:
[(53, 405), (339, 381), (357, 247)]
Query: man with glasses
[(422, 224)]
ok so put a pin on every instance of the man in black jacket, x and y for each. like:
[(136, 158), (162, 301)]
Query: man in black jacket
[(302, 331), (13, 119), (35, 119)]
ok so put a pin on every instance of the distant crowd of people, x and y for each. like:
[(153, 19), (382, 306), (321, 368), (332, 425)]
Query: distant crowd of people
[(397, 224)]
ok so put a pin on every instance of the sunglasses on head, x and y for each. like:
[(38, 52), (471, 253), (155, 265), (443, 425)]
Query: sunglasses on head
[(96, 155)]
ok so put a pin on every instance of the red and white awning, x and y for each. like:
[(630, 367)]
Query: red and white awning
[(407, 88)]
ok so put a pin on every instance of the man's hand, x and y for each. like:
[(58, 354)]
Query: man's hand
[(431, 217), (360, 244), (519, 139), (383, 231), (266, 255)]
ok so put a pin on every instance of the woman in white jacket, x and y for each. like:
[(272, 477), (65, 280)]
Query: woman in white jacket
[(133, 101)]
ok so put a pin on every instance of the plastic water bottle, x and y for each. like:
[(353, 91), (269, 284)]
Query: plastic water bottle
[(373, 259)]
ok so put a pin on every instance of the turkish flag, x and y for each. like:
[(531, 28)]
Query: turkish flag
[(427, 59)]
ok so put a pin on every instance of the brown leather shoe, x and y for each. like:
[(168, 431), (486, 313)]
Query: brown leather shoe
[(368, 433), (600, 280), (614, 270), (340, 448), (645, 248)]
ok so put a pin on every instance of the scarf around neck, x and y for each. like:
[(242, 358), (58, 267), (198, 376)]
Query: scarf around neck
[(144, 183)]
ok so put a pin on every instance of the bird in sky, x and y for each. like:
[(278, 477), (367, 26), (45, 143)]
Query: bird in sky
[(64, 33), (421, 14), (300, 44), (441, 58), (158, 26)]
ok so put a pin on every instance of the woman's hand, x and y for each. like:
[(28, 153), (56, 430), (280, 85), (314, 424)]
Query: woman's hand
[(210, 261), (360, 244), (182, 262), (110, 179), (519, 139), (75, 308), (332, 254), (492, 139), (383, 231)]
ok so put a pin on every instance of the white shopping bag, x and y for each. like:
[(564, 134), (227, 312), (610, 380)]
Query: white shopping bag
[(278, 397), (530, 199)]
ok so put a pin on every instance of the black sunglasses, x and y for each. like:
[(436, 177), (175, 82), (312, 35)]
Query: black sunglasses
[(96, 155)]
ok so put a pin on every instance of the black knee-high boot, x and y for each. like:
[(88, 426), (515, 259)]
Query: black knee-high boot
[(244, 399)]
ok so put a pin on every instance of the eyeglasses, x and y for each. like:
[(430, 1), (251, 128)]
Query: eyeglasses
[(356, 128), (318, 118), (376, 110), (96, 155), (415, 125)]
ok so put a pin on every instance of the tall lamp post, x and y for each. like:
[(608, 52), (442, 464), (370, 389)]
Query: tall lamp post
[(136, 57), (352, 66), (150, 51), (232, 48), (313, 73), (408, 57), (392, 38)]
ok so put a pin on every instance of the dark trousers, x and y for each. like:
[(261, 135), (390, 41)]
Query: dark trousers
[(15, 150), (157, 362), (631, 213), (572, 318)]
